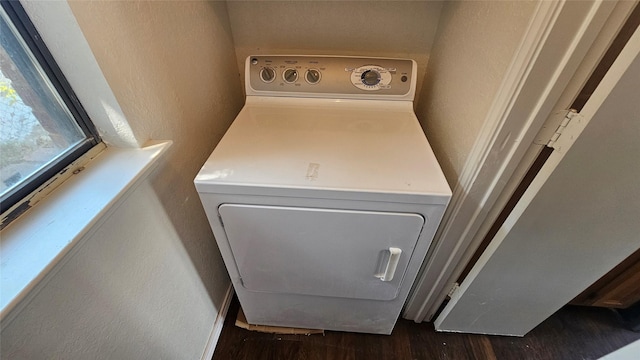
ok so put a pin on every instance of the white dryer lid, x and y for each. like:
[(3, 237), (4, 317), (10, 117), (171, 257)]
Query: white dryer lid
[(292, 145)]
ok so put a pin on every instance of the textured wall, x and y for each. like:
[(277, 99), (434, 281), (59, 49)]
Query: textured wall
[(369, 28), (148, 284), (128, 291), (172, 67), (474, 46)]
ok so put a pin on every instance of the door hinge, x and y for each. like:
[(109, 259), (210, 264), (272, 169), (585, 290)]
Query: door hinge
[(453, 289), (563, 125)]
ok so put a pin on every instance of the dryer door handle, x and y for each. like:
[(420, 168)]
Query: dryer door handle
[(392, 264)]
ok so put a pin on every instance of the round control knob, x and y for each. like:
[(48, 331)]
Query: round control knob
[(267, 74), (312, 76), (290, 75), (370, 77)]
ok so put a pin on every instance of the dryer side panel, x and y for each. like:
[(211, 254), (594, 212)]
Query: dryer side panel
[(321, 252)]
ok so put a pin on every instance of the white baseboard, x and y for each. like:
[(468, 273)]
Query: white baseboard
[(217, 326)]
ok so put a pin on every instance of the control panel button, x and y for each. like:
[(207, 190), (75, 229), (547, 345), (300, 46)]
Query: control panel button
[(290, 75), (267, 74), (312, 76)]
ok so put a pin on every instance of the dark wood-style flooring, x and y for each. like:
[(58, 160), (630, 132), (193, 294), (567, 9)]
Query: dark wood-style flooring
[(571, 333)]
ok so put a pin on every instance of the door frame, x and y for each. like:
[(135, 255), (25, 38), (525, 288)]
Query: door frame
[(562, 45), (545, 278)]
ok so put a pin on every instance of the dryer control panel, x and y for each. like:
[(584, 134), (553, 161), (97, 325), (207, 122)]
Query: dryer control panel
[(330, 76)]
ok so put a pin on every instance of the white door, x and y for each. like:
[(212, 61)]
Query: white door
[(579, 218), (324, 252)]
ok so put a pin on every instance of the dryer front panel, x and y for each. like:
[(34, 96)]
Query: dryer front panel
[(321, 252)]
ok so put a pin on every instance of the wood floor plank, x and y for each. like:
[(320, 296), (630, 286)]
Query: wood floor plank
[(481, 348), (572, 333)]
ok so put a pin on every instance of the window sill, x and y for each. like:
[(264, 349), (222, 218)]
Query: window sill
[(32, 245)]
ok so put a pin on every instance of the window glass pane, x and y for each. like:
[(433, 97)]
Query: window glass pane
[(35, 125)]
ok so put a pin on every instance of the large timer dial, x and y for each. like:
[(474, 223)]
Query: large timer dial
[(371, 78)]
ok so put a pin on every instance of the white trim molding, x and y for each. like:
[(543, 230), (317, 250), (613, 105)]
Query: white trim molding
[(216, 331), (559, 36)]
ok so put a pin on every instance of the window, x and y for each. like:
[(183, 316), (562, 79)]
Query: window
[(43, 127)]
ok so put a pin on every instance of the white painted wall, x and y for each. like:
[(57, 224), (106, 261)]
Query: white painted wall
[(127, 291), (172, 67), (149, 282), (474, 46)]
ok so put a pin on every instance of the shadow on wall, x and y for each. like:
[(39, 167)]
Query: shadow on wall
[(174, 73), (127, 290)]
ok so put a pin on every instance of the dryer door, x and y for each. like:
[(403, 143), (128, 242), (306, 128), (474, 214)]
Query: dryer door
[(325, 252)]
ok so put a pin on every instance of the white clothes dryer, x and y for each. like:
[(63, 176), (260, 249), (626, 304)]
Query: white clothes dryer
[(324, 194)]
